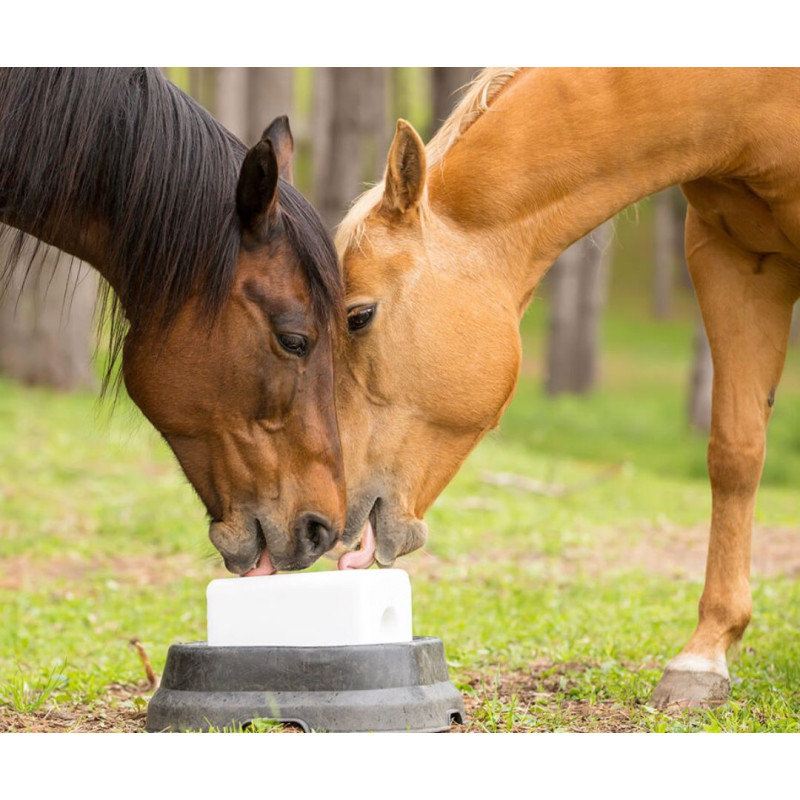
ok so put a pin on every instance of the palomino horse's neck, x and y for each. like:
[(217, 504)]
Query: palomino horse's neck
[(560, 151)]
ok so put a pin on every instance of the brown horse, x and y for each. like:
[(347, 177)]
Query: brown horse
[(227, 291), (442, 258)]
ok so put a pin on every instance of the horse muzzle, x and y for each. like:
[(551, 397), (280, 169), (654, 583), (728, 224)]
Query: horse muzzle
[(253, 545), (240, 542), (395, 531)]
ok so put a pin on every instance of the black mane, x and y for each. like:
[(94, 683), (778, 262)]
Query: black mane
[(129, 149)]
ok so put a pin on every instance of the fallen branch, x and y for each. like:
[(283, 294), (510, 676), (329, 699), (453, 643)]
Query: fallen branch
[(153, 680), (509, 479)]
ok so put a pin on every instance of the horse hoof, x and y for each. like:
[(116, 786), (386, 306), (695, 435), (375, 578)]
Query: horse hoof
[(679, 689)]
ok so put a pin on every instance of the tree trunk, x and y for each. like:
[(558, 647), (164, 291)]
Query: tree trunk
[(448, 83), (350, 136), (668, 234), (249, 98), (231, 100), (700, 381), (230, 106), (578, 284), (203, 87), (46, 324), (671, 270), (375, 127), (320, 124), (271, 94)]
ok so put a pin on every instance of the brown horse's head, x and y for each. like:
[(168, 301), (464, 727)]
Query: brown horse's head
[(247, 402), (431, 359)]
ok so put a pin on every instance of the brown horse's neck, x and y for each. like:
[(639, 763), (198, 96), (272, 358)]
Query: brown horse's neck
[(85, 242), (560, 151)]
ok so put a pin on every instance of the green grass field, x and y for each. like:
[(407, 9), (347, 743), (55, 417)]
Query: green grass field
[(557, 612)]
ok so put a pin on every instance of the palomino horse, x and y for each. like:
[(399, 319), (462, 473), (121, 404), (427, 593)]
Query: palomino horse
[(442, 258), (227, 291)]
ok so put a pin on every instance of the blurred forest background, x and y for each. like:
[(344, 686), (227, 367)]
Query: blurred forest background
[(614, 328)]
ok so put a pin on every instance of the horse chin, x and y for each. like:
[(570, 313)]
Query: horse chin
[(397, 537), (241, 553), (382, 534)]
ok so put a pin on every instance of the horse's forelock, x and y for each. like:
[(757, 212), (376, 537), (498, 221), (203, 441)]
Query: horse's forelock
[(315, 250)]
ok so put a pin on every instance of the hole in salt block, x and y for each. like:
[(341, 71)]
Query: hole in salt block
[(389, 622)]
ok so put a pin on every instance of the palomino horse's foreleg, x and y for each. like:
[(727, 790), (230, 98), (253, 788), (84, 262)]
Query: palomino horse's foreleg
[(746, 300)]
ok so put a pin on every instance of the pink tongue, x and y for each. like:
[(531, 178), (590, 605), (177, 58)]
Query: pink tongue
[(365, 555), (357, 559), (264, 566)]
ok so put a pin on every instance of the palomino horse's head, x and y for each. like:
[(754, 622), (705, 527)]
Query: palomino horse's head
[(432, 355), (247, 403)]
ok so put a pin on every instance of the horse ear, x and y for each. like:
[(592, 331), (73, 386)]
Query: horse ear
[(406, 170), (280, 134), (257, 191)]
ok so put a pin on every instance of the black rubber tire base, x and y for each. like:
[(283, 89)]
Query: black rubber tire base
[(401, 686)]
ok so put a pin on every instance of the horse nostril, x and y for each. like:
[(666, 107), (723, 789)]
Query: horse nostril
[(316, 531), (262, 539)]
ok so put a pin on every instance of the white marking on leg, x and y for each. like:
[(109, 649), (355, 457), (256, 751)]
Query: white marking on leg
[(690, 662)]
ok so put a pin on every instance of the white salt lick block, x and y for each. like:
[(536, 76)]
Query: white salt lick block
[(314, 609)]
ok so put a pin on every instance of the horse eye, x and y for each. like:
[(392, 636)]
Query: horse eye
[(293, 344), (359, 318)]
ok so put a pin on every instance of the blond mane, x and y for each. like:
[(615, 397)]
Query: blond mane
[(477, 98)]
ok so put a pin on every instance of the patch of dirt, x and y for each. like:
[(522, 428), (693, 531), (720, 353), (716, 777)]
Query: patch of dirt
[(539, 693), (662, 549), (671, 550), (26, 573), (122, 710)]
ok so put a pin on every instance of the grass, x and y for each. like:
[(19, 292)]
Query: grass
[(24, 698), (557, 613)]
